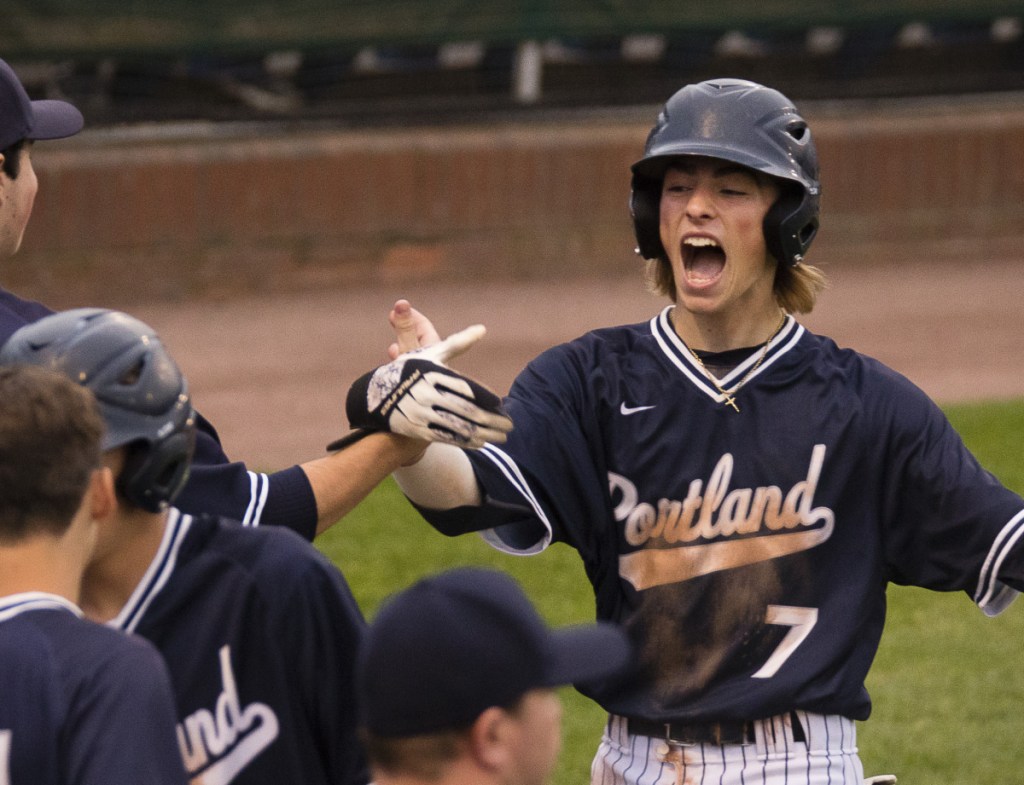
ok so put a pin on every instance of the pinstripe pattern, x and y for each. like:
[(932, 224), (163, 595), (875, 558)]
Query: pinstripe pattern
[(829, 757)]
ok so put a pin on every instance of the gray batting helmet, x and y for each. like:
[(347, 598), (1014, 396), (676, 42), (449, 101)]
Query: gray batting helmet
[(141, 392), (745, 123)]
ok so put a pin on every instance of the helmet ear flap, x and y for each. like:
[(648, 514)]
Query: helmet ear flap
[(790, 225), (153, 474), (645, 208)]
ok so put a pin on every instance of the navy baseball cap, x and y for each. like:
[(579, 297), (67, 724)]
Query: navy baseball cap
[(23, 118), (452, 645)]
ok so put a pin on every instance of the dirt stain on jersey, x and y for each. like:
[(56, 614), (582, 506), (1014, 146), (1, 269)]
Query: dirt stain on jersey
[(697, 631)]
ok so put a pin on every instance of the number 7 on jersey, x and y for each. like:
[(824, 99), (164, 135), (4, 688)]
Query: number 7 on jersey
[(800, 621)]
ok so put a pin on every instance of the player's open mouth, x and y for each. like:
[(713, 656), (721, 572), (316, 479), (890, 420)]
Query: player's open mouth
[(703, 259)]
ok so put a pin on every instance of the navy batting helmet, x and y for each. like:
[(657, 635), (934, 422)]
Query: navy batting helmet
[(745, 123), (141, 392)]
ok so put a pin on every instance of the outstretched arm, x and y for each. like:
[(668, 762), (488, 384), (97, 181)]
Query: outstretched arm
[(419, 396), (442, 478), (342, 479), (308, 498), (418, 401), (313, 496)]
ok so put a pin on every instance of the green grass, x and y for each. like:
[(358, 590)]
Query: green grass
[(948, 683)]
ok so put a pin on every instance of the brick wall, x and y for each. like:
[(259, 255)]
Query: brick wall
[(128, 216)]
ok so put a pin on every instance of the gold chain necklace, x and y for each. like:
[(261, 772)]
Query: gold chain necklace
[(730, 395)]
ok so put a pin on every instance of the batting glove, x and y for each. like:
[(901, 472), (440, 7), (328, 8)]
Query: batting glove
[(417, 395)]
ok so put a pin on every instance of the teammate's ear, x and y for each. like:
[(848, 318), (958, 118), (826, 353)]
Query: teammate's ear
[(103, 497), (488, 739)]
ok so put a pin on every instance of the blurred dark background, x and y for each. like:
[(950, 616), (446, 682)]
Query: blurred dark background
[(396, 61)]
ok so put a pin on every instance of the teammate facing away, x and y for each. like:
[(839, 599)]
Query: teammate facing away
[(307, 498), (741, 490), (79, 704), (258, 629)]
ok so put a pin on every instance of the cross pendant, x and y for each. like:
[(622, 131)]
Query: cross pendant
[(730, 401)]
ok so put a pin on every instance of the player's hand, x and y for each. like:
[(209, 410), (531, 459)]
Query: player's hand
[(412, 329), (417, 395)]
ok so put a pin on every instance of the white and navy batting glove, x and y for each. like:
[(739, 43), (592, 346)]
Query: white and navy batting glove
[(416, 395)]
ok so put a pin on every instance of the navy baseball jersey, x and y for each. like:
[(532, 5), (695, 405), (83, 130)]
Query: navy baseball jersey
[(215, 486), (80, 703), (259, 631), (746, 552)]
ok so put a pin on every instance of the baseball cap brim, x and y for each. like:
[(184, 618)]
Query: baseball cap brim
[(586, 654), (54, 120)]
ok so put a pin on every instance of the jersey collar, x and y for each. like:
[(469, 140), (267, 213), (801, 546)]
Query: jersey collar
[(14, 604), (157, 574), (675, 350)]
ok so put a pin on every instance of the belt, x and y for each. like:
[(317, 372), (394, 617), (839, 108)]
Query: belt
[(690, 733)]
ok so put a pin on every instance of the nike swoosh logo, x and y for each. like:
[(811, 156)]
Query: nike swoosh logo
[(628, 410)]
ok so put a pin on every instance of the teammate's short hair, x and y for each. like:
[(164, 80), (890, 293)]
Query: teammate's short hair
[(50, 431), (422, 757), (11, 165), (142, 394)]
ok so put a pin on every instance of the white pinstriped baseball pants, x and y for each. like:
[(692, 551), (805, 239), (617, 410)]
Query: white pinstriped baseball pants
[(829, 757)]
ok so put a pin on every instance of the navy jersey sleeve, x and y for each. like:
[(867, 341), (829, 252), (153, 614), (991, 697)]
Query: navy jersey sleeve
[(951, 524), (321, 628), (16, 312), (217, 486), (122, 727)]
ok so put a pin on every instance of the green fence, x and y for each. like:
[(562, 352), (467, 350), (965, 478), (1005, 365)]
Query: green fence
[(49, 28)]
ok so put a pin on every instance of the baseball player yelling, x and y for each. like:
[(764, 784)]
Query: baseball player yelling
[(741, 491)]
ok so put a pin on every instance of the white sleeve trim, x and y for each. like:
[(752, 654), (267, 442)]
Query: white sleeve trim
[(992, 595), (512, 473), (259, 489)]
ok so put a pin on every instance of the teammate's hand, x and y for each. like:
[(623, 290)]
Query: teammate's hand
[(412, 329), (416, 395)]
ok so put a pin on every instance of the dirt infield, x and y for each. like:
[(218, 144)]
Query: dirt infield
[(272, 373)]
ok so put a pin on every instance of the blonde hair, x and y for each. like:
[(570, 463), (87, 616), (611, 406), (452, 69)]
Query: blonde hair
[(796, 288)]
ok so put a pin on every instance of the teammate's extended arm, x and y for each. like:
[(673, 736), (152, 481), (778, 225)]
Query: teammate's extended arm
[(418, 397), (440, 405), (308, 498), (343, 479)]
